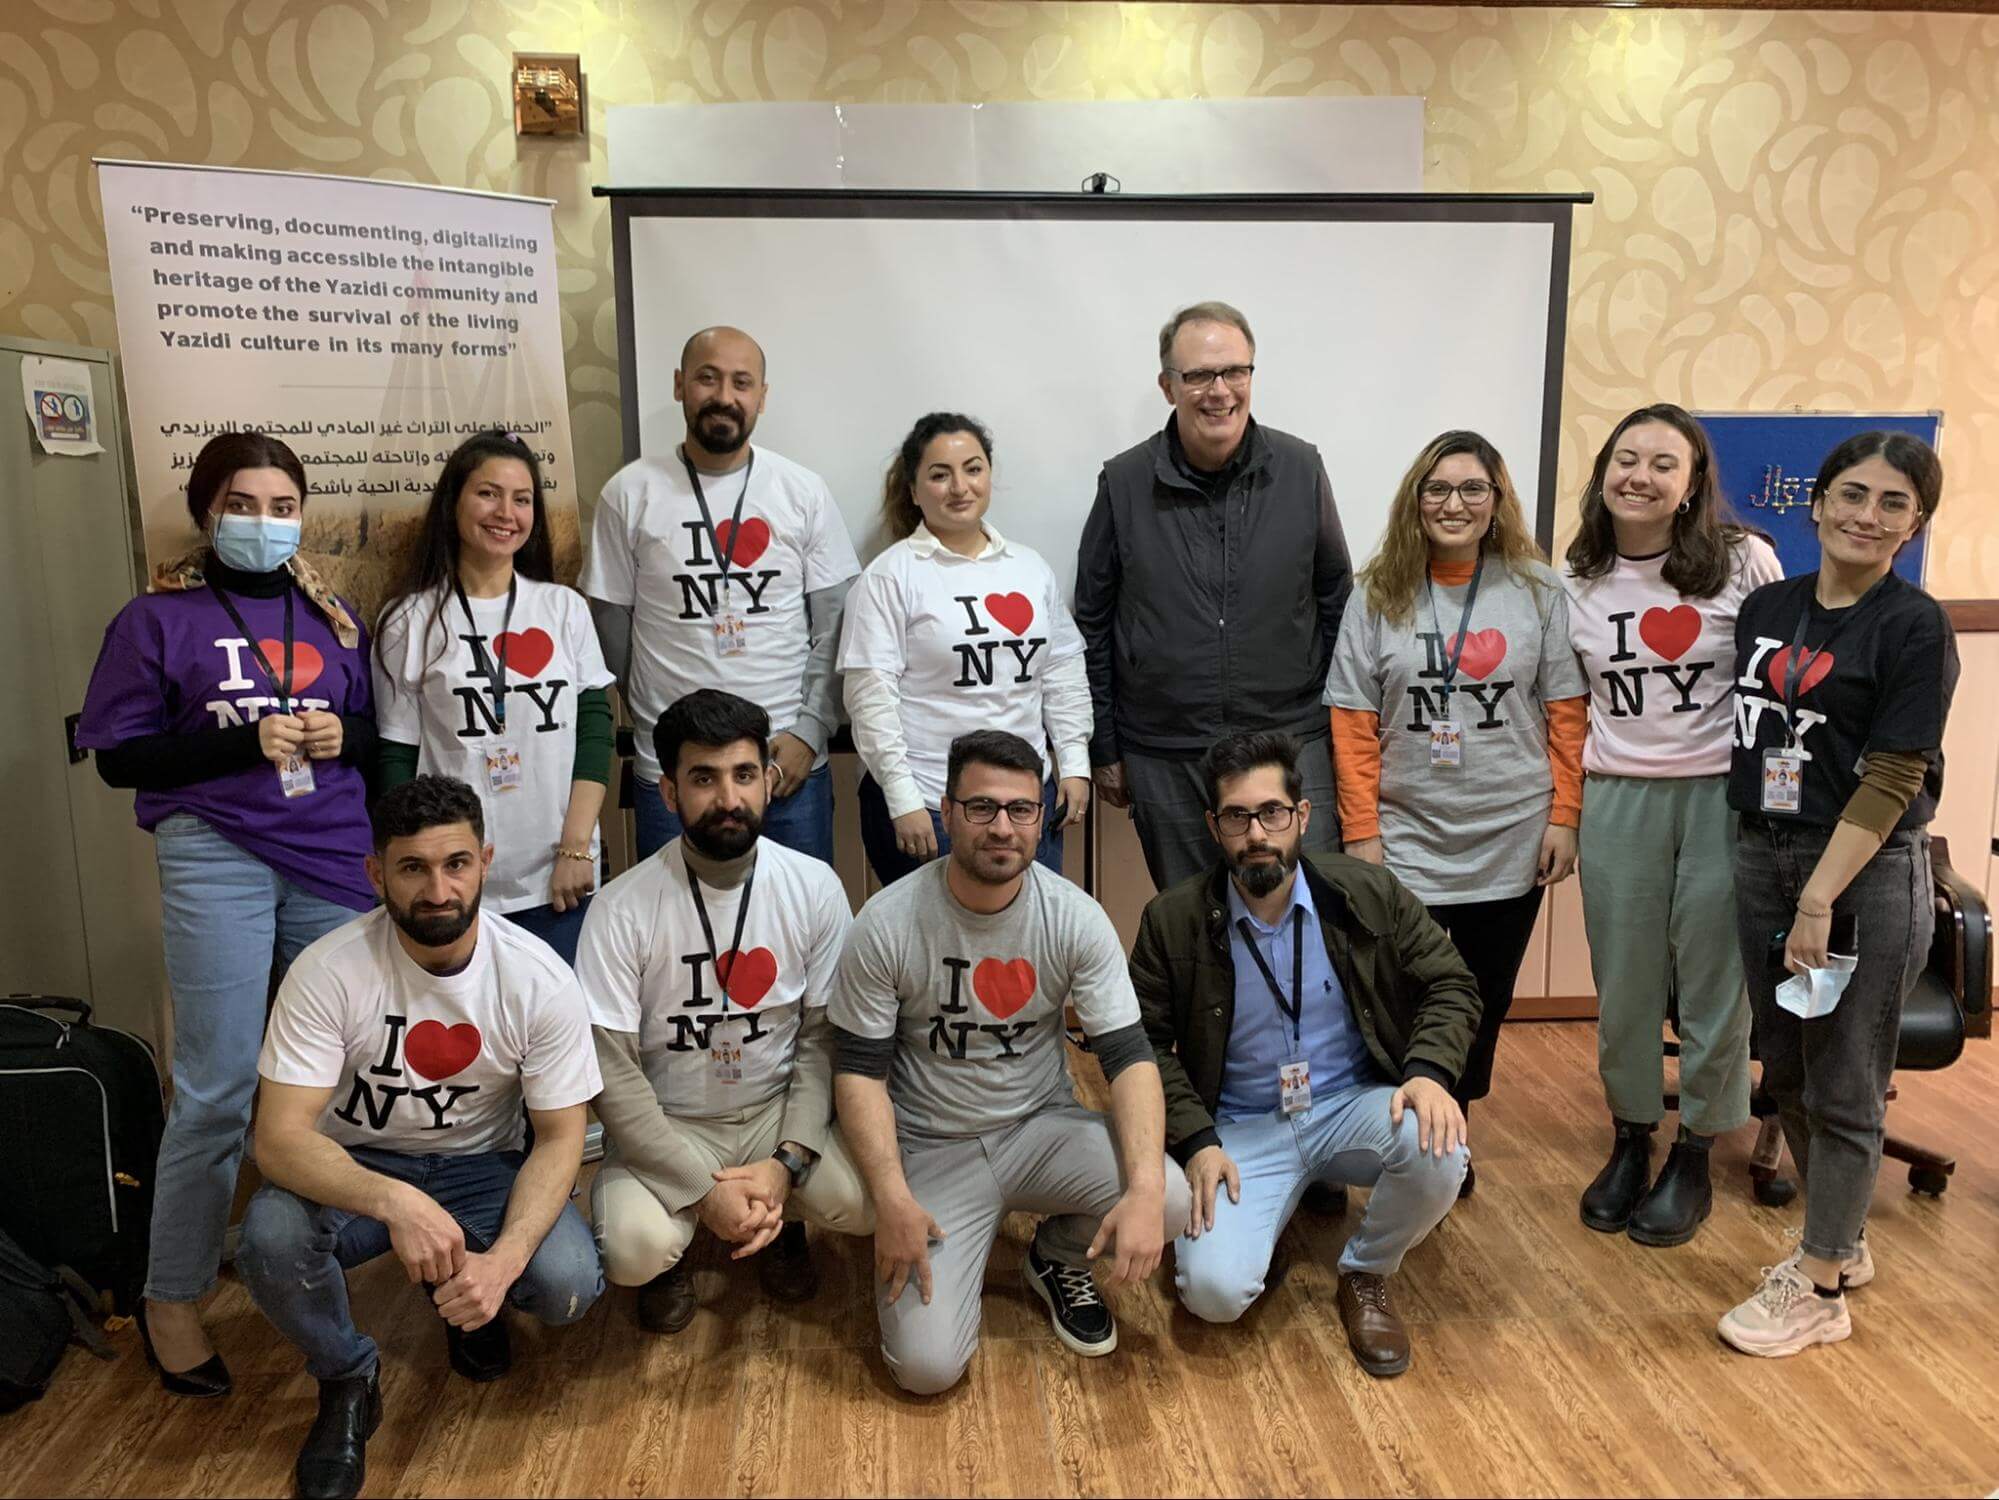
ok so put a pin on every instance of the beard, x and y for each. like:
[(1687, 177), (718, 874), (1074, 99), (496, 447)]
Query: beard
[(989, 865), (1260, 877), (436, 929), (721, 428), (724, 835)]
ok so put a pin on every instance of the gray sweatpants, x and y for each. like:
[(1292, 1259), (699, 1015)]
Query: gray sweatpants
[(1062, 1162)]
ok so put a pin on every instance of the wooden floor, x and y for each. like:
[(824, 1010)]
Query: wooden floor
[(1549, 1360)]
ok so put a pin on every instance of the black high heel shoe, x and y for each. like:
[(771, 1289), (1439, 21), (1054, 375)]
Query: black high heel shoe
[(209, 1378)]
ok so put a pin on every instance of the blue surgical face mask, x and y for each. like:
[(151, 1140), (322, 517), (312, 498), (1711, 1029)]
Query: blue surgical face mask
[(256, 544)]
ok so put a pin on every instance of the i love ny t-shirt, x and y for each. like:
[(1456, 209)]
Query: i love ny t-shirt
[(968, 640), (646, 967), (1659, 663), (431, 1064), (1469, 832), (437, 687), (650, 551)]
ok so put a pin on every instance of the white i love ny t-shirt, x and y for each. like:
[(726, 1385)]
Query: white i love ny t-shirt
[(969, 639), (650, 551), (431, 1064), (436, 687), (646, 967)]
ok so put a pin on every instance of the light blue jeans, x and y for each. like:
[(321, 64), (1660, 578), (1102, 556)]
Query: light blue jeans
[(296, 1253), (225, 915), (1345, 1138)]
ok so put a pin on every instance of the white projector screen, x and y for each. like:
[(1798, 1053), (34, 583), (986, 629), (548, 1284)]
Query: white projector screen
[(1380, 322)]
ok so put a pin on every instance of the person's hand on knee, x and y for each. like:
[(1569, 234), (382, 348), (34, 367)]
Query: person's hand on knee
[(1440, 1123), (1206, 1172)]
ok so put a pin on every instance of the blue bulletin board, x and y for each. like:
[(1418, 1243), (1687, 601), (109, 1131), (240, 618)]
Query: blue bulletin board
[(1767, 461)]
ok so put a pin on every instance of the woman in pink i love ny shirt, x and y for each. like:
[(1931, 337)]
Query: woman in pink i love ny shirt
[(234, 700)]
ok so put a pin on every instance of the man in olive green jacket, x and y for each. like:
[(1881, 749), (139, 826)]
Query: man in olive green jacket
[(1309, 1020)]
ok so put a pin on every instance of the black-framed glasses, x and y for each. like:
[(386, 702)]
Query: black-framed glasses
[(1022, 813), (1236, 376), (1274, 816), (1436, 493)]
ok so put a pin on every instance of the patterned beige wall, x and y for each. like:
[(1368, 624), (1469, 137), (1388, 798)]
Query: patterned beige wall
[(1792, 208)]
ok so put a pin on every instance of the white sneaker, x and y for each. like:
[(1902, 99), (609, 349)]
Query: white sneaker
[(1855, 1271), (1785, 1316)]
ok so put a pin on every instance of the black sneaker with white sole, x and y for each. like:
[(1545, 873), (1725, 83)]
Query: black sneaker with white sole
[(1081, 1317)]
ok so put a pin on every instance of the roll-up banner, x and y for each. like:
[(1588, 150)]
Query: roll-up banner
[(371, 325)]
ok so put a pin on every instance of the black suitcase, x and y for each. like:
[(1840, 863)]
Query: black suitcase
[(80, 1123)]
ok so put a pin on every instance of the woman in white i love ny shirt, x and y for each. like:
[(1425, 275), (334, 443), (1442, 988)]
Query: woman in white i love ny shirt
[(1655, 578), (488, 670), (954, 628)]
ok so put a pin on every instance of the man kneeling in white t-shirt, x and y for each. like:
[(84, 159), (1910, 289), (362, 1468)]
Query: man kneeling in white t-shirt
[(400, 1052), (707, 968)]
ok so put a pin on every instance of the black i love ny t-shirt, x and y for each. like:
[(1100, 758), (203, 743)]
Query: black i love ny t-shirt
[(1881, 681)]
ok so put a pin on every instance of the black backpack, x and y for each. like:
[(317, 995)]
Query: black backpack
[(80, 1124), (40, 1312)]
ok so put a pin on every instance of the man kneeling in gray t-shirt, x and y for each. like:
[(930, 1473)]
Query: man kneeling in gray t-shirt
[(953, 1091)]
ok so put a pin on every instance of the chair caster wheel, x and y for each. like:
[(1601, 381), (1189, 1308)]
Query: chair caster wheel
[(1928, 1180), (1775, 1192)]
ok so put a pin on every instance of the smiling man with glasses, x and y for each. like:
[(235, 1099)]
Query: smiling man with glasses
[(1209, 587), (1309, 1020)]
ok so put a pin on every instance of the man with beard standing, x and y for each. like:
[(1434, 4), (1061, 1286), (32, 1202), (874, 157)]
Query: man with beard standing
[(1309, 1020), (953, 1085), (401, 1049), (707, 970), (726, 566)]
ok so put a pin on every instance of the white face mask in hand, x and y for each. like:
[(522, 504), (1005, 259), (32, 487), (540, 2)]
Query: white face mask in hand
[(1816, 992)]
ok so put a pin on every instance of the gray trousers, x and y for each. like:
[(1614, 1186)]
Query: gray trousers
[(1830, 1075), (1062, 1162), (1169, 801)]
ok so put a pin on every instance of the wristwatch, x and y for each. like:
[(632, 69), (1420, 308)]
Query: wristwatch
[(795, 1166)]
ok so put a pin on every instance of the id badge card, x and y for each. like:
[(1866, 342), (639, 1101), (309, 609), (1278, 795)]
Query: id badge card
[(725, 1061), (1783, 781), (1447, 742), (295, 777), (1294, 1087), (731, 634), (503, 766)]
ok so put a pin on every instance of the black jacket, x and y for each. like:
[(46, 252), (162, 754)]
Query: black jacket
[(1209, 605)]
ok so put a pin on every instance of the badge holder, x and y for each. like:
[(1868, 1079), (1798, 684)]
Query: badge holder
[(1294, 1087), (1783, 780), (503, 766), (1447, 742), (731, 633), (295, 777)]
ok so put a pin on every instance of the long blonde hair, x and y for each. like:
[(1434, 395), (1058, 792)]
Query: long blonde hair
[(1398, 569)]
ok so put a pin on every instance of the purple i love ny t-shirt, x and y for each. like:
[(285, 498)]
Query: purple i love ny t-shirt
[(176, 664)]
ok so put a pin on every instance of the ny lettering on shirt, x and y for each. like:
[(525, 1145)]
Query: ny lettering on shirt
[(1432, 699), (1767, 659), (977, 664), (1000, 989), (432, 1054), (1669, 633), (247, 707), (703, 594), (492, 709)]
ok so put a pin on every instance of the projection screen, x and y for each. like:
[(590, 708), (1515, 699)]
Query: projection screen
[(1380, 322)]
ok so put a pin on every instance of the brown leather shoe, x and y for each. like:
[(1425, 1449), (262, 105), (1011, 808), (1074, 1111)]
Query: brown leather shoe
[(1374, 1332)]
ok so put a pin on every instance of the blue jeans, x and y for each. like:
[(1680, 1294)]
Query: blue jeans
[(1344, 1138), (891, 864), (558, 929), (802, 821), (296, 1254), (224, 917)]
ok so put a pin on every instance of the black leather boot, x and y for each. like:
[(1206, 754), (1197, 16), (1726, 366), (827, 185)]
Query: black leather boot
[(1607, 1202), (1680, 1199), (666, 1303), (334, 1461), (485, 1353)]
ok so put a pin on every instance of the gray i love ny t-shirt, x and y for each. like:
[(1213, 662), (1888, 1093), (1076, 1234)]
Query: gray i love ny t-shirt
[(1470, 832), (974, 1003)]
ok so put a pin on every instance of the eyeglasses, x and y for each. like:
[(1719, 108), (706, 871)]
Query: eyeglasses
[(1274, 816), (1892, 504), (1022, 814), (1436, 494), (1236, 376)]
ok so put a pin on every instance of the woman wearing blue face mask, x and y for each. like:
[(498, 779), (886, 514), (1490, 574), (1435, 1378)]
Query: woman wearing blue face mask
[(235, 699)]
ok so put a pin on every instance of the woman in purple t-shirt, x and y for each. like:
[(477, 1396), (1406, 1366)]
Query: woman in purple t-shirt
[(234, 698)]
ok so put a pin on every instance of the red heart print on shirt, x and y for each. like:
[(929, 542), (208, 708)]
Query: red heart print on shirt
[(746, 546), (1014, 611), (1483, 651), (526, 651), (1817, 665), (437, 1051), (1670, 632), (1003, 985), (307, 663), (747, 975)]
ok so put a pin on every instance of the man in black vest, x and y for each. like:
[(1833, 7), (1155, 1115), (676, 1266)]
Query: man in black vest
[(1209, 588)]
